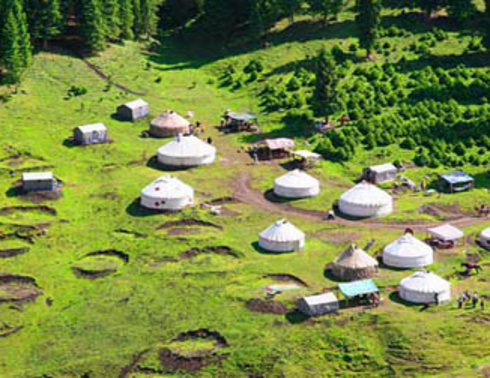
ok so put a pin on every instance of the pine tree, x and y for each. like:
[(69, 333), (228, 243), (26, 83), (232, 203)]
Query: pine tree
[(368, 21), (326, 7), (487, 23), (126, 18), (112, 19), (45, 19), (146, 19), (325, 93), (92, 25), (15, 45)]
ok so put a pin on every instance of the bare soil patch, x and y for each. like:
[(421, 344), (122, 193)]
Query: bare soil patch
[(99, 264), (266, 306), (220, 250), (284, 277), (223, 201), (17, 288), (443, 211), (28, 209), (12, 252), (188, 223), (173, 362), (183, 231)]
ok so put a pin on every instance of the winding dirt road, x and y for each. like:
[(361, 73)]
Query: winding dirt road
[(246, 194)]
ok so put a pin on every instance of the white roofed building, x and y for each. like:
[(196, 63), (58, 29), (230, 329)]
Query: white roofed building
[(38, 181), (186, 151), (282, 236), (167, 193), (91, 134), (424, 287), (133, 110), (380, 173), (296, 184), (317, 305), (408, 252), (365, 200)]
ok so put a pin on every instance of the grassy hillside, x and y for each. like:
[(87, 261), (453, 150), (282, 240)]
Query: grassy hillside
[(120, 323)]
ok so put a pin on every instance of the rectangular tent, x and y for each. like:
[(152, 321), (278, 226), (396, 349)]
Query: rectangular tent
[(380, 173), (446, 233), (321, 304), (456, 181), (38, 181), (274, 148), (91, 134), (237, 122), (133, 110)]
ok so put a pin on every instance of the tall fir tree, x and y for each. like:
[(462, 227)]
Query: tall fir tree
[(126, 18), (45, 19), (326, 82), (92, 25), (325, 8), (487, 25), (112, 19), (368, 21), (25, 46), (149, 20)]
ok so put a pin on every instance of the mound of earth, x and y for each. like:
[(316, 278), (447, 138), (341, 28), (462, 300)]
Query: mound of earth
[(442, 211), (188, 223), (28, 209), (286, 278), (183, 231), (173, 362), (223, 201), (221, 250), (100, 264), (12, 252), (17, 288), (266, 307), (204, 334)]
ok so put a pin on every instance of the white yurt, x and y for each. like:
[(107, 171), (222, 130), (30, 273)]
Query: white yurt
[(282, 236), (186, 151), (167, 193), (408, 252), (423, 286), (485, 238), (365, 200), (296, 184)]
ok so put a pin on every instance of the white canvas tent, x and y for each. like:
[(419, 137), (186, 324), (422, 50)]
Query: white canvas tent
[(485, 238), (186, 151), (296, 184), (381, 173), (423, 287), (282, 236), (90, 134), (134, 110), (317, 305), (365, 200), (408, 252), (167, 193), (446, 233)]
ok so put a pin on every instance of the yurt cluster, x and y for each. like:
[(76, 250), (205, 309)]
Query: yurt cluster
[(354, 268)]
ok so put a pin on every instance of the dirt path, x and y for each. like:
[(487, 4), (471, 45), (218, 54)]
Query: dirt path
[(107, 79), (246, 194)]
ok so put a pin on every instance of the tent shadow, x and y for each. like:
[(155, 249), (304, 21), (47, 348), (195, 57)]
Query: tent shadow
[(153, 163), (70, 143), (296, 317), (136, 210), (270, 196), (259, 249), (15, 191), (327, 273), (395, 297)]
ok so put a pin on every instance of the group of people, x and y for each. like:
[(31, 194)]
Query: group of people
[(467, 297)]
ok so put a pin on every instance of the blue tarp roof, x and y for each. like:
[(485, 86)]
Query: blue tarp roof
[(242, 116), (457, 177), (354, 289)]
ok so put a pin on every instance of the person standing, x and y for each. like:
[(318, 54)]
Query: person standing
[(474, 300), (460, 302), (482, 303)]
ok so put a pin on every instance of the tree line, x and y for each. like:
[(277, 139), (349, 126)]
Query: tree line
[(26, 23)]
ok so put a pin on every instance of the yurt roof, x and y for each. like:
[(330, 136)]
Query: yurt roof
[(425, 282), (167, 187), (355, 258), (365, 194), (408, 246), (282, 231), (486, 233), (93, 127), (185, 146), (170, 120), (136, 104), (297, 179)]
